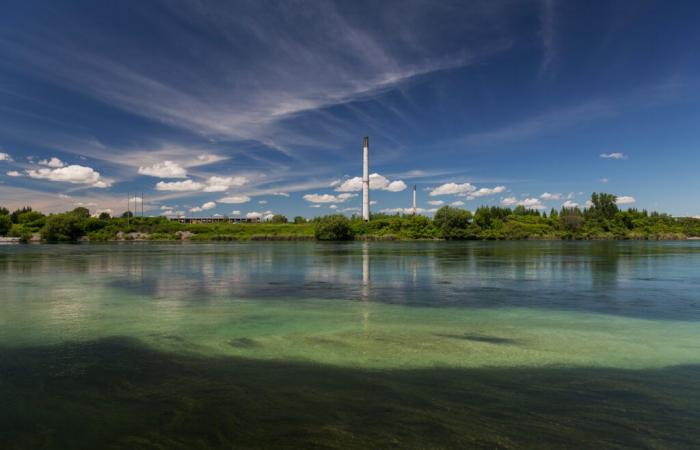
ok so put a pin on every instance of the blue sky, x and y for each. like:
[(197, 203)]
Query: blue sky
[(240, 108)]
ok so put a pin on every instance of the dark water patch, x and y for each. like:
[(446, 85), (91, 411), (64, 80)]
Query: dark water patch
[(481, 338), (243, 342), (129, 396)]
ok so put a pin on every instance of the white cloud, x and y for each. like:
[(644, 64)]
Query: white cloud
[(71, 174), (614, 155), (603, 180), (53, 162), (267, 215), (315, 205), (221, 184), (408, 210), (171, 213), (376, 182), (373, 202), (453, 189), (328, 198), (262, 202), (281, 194), (5, 157), (204, 207), (136, 200), (100, 211), (165, 169), (236, 212), (570, 204), (625, 200), (234, 199), (333, 206), (484, 192), (179, 186), (457, 203), (548, 196), (436, 202), (206, 158), (13, 173), (533, 203)]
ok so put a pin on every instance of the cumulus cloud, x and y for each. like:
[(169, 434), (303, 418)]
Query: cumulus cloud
[(13, 173), (376, 182), (408, 210), (570, 204), (204, 207), (236, 212), (281, 194), (625, 200), (453, 189), (221, 184), (254, 215), (5, 157), (179, 186), (165, 169), (74, 174), (482, 192), (53, 162), (333, 207), (533, 203), (262, 202), (436, 202), (457, 203), (328, 198), (315, 205), (234, 199), (614, 155), (548, 196), (171, 213)]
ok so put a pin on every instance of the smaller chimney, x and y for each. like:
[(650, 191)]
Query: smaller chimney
[(414, 200)]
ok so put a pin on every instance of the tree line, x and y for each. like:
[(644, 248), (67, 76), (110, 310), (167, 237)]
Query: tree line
[(603, 219)]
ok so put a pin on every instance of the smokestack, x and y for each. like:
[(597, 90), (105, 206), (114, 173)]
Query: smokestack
[(414, 200), (365, 179)]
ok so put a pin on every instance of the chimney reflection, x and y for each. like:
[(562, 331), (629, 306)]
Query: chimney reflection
[(365, 287)]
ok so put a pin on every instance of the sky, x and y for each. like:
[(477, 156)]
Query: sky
[(249, 108)]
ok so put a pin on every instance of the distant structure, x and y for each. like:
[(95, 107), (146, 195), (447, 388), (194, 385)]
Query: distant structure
[(415, 210), (365, 179)]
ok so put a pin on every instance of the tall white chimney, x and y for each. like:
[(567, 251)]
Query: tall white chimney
[(414, 200), (365, 179)]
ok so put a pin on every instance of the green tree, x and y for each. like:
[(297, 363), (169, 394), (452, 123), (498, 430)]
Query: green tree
[(81, 212), (279, 218), (4, 211), (604, 206), (104, 216), (299, 219), (63, 227), (333, 228), (5, 224), (452, 223), (127, 214)]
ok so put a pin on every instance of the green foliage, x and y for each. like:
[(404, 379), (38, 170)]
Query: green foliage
[(4, 211), (5, 224), (81, 212), (452, 223), (278, 218), (333, 228), (104, 216), (65, 227), (604, 206), (299, 220)]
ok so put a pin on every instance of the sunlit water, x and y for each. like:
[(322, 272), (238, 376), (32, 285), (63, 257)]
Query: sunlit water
[(371, 307)]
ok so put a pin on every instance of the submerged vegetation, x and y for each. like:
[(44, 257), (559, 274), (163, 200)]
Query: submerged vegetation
[(601, 220)]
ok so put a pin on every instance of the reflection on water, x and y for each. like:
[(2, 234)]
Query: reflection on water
[(639, 279)]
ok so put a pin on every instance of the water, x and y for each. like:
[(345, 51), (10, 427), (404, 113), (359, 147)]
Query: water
[(350, 345)]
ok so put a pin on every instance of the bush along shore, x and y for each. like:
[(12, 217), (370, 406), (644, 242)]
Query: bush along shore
[(601, 220)]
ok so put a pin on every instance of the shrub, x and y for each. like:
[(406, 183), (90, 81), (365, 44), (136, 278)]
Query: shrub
[(63, 228), (452, 223), (5, 224), (333, 228)]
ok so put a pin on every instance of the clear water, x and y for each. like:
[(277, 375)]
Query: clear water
[(477, 344)]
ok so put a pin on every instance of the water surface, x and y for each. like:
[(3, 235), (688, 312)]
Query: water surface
[(477, 344)]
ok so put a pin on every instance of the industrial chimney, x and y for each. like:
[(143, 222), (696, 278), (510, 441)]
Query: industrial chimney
[(365, 179), (414, 200)]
